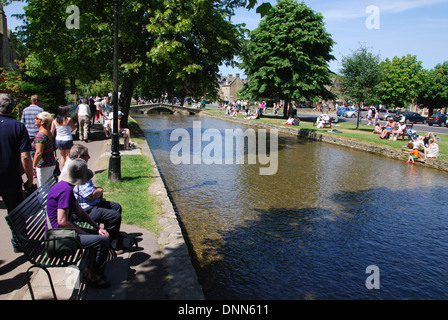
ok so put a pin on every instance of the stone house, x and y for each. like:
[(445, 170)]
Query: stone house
[(7, 53), (229, 86)]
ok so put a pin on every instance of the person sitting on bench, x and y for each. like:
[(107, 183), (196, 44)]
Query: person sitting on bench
[(61, 203), (90, 198)]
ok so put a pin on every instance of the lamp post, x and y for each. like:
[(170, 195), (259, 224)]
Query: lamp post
[(115, 160)]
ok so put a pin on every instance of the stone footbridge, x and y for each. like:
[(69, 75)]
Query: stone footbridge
[(145, 108)]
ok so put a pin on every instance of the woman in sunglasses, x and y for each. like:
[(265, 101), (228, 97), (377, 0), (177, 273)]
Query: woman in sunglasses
[(44, 161)]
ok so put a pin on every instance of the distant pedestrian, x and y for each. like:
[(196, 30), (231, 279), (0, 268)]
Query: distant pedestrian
[(15, 149), (62, 127), (83, 112), (369, 117), (98, 109), (92, 107), (44, 160), (29, 115)]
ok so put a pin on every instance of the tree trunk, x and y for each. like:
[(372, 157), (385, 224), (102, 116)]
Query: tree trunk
[(359, 115), (73, 85), (127, 90), (285, 109)]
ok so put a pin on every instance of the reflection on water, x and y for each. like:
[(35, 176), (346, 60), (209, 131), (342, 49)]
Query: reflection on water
[(311, 230)]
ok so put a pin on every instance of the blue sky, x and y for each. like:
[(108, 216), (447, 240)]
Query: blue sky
[(417, 27)]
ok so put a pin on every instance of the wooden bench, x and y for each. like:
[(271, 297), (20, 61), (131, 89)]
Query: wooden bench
[(27, 224)]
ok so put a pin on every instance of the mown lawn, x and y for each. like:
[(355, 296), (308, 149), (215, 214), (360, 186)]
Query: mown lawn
[(139, 206), (348, 130)]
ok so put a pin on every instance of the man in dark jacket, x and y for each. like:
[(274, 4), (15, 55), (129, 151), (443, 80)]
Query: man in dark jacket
[(15, 147)]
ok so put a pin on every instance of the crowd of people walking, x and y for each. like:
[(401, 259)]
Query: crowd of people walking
[(29, 147)]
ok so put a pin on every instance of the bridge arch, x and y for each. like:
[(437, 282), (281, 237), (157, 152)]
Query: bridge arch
[(161, 106), (157, 107)]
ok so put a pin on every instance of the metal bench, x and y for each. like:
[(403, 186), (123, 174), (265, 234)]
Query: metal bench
[(27, 224)]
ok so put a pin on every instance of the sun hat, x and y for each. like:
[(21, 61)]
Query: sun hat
[(77, 172)]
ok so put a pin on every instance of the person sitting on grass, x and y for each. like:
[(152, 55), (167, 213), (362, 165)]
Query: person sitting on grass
[(432, 151), (292, 121), (378, 128), (256, 115)]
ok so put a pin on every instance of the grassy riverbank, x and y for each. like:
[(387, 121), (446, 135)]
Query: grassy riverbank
[(139, 206), (347, 130)]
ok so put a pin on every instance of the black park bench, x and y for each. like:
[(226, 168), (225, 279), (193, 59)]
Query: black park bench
[(27, 224)]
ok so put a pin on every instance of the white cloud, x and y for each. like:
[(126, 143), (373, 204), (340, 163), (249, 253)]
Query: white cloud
[(354, 9)]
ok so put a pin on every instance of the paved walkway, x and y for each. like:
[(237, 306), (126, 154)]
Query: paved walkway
[(158, 269)]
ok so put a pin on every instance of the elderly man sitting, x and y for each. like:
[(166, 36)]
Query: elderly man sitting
[(90, 198)]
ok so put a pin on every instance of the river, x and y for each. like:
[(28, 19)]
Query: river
[(331, 223)]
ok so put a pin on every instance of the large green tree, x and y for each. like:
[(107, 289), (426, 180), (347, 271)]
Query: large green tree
[(287, 56), (174, 42), (360, 77), (192, 39), (434, 91), (58, 48), (403, 78)]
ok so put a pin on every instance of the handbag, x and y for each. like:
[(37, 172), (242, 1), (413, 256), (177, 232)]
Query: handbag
[(57, 170), (60, 242)]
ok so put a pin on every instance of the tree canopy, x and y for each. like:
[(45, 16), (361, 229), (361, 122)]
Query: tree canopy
[(173, 45), (434, 91), (360, 77), (402, 80), (287, 56)]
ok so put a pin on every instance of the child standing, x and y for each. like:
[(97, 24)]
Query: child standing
[(414, 155)]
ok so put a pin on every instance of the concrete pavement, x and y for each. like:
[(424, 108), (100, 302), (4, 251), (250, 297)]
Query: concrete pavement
[(158, 269)]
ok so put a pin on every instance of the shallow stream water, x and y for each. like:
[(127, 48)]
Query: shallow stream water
[(311, 230)]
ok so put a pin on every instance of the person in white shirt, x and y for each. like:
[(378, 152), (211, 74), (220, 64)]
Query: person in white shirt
[(395, 133), (83, 112), (122, 132), (432, 151), (419, 143)]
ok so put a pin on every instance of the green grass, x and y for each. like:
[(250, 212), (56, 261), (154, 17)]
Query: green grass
[(139, 206), (348, 130)]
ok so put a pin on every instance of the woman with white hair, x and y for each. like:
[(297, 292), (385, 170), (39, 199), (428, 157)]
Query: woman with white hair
[(44, 161)]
